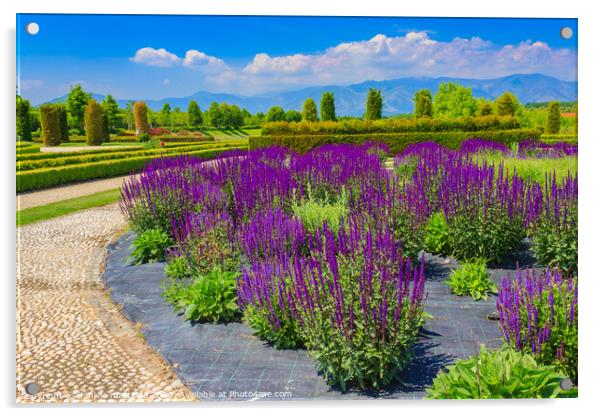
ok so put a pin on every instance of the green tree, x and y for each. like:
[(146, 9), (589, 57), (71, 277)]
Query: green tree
[(374, 105), (195, 116), (235, 117), (63, 123), (23, 119), (129, 114), (309, 111), (77, 100), (453, 100), (165, 115), (275, 113), (293, 116), (111, 109), (423, 104), (553, 118), (51, 124), (327, 108), (507, 104), (484, 107), (214, 115), (95, 132), (141, 117)]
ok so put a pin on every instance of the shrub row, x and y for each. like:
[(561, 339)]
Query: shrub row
[(397, 142), (555, 138), (73, 159), (45, 178), (483, 123), (100, 150)]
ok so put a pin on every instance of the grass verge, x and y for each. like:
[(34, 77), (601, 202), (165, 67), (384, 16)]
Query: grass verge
[(57, 209)]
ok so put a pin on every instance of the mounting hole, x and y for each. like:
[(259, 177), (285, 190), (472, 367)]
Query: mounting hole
[(32, 388), (566, 33), (32, 28)]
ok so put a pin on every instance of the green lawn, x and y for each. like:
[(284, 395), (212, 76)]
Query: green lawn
[(229, 134), (535, 169), (57, 209)]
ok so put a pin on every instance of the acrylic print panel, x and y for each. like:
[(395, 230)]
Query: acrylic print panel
[(291, 208)]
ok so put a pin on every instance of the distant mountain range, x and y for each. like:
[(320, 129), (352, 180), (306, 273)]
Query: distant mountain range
[(398, 94)]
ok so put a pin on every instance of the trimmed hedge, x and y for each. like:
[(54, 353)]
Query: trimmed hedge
[(98, 151), (50, 120), (74, 158), (397, 142), (474, 124), (555, 138), (45, 178)]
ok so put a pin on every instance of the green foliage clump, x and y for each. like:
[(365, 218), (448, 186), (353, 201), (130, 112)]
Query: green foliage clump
[(293, 116), (288, 335), (195, 117), (95, 131), (472, 279), (557, 248), (177, 268), (209, 298), (327, 108), (374, 105), (275, 113), (436, 239), (507, 104), (77, 101), (110, 109), (498, 374), (140, 117), (149, 246), (23, 119), (143, 138), (553, 118), (64, 123), (423, 104), (484, 108), (50, 119), (454, 100), (309, 111), (313, 212)]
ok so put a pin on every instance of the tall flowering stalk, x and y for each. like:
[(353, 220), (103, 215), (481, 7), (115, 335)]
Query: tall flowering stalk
[(356, 303), (554, 223), (538, 314)]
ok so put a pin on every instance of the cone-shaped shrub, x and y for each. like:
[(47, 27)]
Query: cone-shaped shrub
[(141, 117), (50, 120), (93, 124)]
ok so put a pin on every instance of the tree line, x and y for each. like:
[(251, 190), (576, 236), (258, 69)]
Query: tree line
[(451, 100)]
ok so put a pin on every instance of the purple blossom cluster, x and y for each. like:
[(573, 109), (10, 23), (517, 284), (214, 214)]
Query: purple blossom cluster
[(356, 282), (538, 313), (479, 145)]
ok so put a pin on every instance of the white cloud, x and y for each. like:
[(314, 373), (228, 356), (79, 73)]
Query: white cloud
[(201, 61), (382, 57), (155, 57)]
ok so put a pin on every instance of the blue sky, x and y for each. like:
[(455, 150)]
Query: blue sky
[(170, 56)]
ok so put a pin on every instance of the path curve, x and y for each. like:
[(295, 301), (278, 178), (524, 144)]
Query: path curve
[(71, 340), (60, 193)]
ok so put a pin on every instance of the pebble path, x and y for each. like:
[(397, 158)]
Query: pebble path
[(72, 342)]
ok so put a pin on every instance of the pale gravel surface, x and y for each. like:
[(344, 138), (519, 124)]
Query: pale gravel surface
[(64, 149), (60, 193), (71, 339)]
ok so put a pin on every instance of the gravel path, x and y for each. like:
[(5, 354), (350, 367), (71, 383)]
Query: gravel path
[(60, 193), (65, 149), (71, 340)]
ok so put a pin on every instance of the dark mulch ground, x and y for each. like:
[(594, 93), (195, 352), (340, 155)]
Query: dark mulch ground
[(226, 362)]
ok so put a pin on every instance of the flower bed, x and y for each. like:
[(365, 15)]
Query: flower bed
[(343, 279)]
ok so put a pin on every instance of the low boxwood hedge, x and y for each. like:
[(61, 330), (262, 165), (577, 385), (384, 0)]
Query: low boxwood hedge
[(75, 158), (397, 142), (555, 138), (48, 177)]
